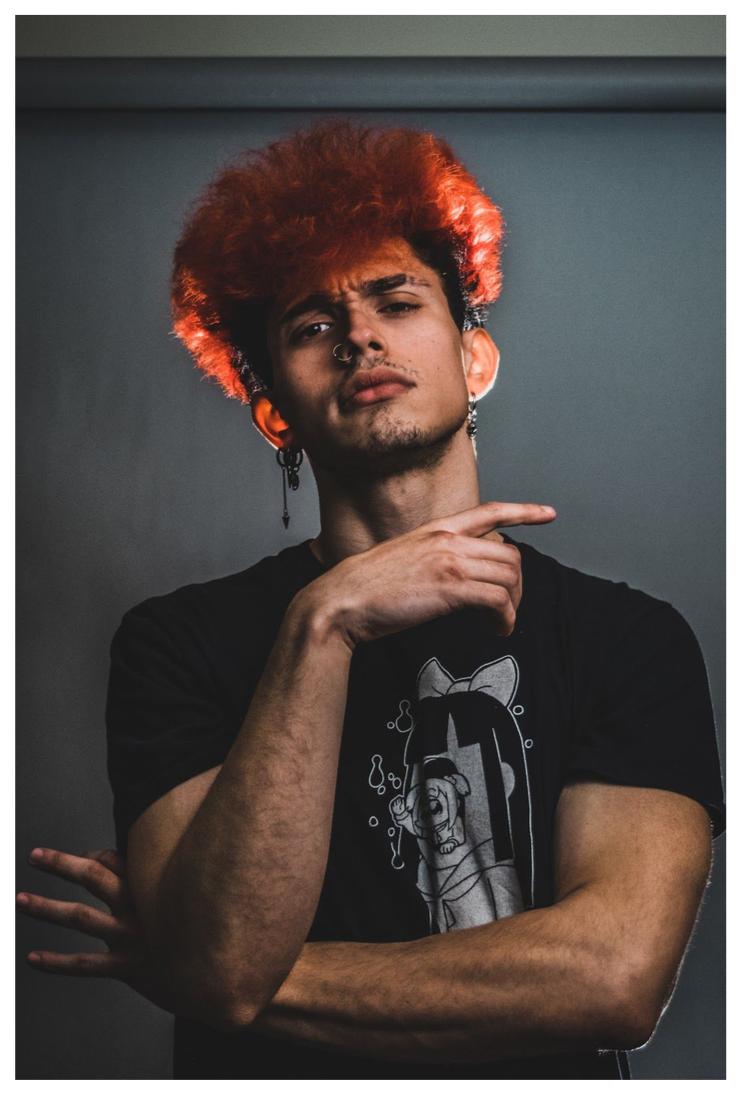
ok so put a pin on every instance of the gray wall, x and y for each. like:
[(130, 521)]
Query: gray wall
[(371, 36), (136, 476)]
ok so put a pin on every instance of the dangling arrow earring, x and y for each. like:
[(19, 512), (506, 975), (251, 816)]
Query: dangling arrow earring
[(290, 461)]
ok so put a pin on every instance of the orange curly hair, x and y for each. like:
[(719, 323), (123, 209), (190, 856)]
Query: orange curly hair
[(308, 205)]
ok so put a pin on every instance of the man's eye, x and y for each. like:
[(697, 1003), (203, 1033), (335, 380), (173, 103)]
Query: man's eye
[(401, 307), (310, 331)]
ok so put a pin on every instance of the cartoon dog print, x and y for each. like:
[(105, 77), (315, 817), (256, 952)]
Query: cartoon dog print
[(433, 810)]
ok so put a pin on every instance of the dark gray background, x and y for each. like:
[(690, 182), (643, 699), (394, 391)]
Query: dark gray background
[(136, 476)]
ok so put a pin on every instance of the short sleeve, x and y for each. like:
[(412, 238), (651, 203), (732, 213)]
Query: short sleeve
[(164, 722), (651, 721)]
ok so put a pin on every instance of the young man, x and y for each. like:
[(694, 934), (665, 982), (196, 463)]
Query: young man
[(409, 799)]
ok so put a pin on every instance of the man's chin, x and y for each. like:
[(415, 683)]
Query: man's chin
[(387, 450)]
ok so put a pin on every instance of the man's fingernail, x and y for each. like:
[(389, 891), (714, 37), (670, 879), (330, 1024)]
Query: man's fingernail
[(547, 508), (36, 855), (34, 958), (22, 898)]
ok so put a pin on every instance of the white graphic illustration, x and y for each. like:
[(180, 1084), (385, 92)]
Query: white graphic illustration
[(466, 798), (376, 777), (403, 722)]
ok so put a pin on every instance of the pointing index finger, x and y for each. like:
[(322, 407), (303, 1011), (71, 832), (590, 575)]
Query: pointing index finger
[(500, 514)]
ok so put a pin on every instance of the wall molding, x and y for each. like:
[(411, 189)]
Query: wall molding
[(373, 84)]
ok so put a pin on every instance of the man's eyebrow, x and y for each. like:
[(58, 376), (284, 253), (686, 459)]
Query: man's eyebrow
[(368, 288), (389, 283), (311, 302)]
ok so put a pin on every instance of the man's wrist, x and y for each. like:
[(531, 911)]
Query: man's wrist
[(315, 620)]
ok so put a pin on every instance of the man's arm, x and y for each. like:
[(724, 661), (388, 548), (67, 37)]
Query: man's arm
[(226, 869), (594, 970), (224, 883)]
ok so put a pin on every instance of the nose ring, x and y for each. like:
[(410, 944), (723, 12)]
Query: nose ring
[(342, 359)]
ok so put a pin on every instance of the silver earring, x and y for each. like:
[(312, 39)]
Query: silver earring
[(472, 417), (342, 359), (290, 461), (252, 382)]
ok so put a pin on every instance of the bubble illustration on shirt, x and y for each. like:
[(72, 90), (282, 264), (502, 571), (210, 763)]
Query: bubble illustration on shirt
[(396, 835), (403, 722), (376, 777), (376, 780)]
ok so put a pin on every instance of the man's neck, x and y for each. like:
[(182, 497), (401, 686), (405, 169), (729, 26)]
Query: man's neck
[(355, 517)]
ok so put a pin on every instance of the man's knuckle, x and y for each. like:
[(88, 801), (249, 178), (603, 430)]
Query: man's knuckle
[(443, 537), (77, 915), (449, 567), (95, 874)]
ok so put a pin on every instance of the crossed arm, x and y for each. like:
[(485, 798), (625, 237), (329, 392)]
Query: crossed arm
[(594, 970)]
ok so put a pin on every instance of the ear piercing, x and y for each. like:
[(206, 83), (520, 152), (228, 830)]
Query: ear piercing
[(472, 417), (290, 461)]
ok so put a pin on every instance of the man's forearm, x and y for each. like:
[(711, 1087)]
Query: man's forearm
[(239, 892), (533, 983)]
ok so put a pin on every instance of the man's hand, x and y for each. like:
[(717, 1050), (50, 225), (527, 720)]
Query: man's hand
[(437, 568), (103, 874)]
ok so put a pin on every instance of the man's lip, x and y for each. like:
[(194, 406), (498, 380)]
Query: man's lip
[(366, 381), (370, 394)]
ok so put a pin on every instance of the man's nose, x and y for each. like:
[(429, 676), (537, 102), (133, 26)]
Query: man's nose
[(363, 335)]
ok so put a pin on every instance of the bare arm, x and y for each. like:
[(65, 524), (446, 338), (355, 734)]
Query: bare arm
[(226, 870), (225, 882), (592, 971)]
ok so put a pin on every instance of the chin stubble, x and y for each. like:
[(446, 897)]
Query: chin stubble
[(390, 447)]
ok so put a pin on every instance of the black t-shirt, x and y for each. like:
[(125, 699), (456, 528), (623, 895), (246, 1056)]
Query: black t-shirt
[(456, 745)]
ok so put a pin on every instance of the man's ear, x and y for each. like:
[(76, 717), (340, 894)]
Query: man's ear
[(480, 361), (270, 423)]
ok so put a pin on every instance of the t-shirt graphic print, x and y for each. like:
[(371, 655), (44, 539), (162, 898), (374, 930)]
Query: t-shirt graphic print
[(463, 815)]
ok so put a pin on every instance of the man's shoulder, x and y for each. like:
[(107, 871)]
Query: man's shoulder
[(580, 593), (605, 622), (265, 584)]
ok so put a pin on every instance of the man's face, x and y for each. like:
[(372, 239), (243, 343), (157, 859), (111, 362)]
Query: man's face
[(391, 312)]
